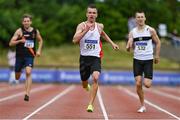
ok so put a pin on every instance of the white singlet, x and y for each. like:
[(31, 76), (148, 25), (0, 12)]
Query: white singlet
[(90, 44), (143, 46)]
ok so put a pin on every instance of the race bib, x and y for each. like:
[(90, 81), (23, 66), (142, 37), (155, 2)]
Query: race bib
[(141, 46), (90, 44), (29, 44)]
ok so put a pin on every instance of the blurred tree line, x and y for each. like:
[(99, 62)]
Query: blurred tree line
[(57, 19)]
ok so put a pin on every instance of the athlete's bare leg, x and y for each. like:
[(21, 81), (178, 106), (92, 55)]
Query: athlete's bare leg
[(84, 83), (147, 82), (95, 77), (139, 89), (17, 75), (28, 80)]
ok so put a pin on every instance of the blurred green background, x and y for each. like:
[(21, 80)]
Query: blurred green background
[(57, 21)]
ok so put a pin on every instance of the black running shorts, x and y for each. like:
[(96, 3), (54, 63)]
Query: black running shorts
[(89, 64), (141, 67)]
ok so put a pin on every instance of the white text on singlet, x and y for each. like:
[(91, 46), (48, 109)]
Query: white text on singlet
[(143, 47)]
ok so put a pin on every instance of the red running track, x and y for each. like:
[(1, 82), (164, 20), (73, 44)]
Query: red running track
[(65, 101)]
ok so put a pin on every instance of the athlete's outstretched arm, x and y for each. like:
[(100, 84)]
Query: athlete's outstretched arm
[(157, 41), (107, 38), (40, 41), (14, 40)]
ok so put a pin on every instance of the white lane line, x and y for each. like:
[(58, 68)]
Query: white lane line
[(150, 103), (11, 87), (102, 105), (165, 94), (172, 89), (22, 93), (64, 92)]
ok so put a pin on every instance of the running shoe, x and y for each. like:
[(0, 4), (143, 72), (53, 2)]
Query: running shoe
[(88, 87), (142, 109), (26, 98), (90, 108)]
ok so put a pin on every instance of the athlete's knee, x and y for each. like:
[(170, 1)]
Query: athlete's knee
[(28, 71), (138, 83), (95, 77), (17, 76), (147, 83)]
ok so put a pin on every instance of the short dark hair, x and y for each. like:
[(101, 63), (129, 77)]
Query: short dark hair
[(27, 16), (139, 11), (92, 6)]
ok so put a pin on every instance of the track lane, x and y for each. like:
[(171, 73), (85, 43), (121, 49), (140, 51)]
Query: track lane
[(169, 90), (71, 106), (120, 105), (10, 87), (174, 96), (17, 108), (159, 102), (166, 102), (11, 90)]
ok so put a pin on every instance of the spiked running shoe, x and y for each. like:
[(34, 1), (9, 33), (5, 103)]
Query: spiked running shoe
[(142, 109), (90, 108), (88, 87), (26, 98)]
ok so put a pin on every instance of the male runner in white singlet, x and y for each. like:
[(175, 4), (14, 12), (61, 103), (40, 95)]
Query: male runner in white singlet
[(141, 39), (88, 35)]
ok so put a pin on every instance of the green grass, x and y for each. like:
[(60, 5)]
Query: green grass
[(68, 56)]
